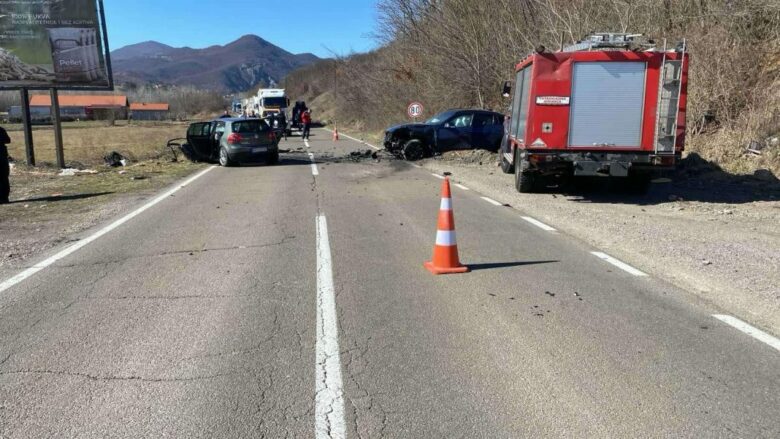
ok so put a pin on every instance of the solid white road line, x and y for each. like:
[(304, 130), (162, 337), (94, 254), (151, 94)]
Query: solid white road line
[(441, 177), (314, 170), (329, 396), (619, 264), (306, 142), (73, 248), (356, 140), (539, 224), (461, 187), (749, 330), (492, 201), (416, 166)]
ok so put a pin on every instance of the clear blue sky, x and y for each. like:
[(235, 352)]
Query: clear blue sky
[(316, 26)]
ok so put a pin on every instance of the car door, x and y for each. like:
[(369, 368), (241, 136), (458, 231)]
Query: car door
[(199, 137), (483, 131), (455, 133)]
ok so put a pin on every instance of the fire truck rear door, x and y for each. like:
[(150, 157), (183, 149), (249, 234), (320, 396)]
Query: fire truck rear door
[(607, 103)]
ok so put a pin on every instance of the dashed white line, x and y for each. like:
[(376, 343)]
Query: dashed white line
[(73, 248), (314, 170), (492, 201), (749, 330), (306, 142), (460, 186), (621, 265), (539, 224), (329, 396), (441, 177)]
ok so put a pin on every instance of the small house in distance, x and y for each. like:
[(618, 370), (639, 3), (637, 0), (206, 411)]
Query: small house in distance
[(73, 107), (149, 111)]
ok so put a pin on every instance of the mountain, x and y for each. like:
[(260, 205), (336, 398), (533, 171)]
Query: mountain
[(147, 49), (234, 67)]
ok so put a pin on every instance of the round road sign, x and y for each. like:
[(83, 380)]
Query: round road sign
[(415, 110)]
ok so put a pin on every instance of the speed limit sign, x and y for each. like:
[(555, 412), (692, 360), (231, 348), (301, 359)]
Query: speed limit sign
[(415, 110)]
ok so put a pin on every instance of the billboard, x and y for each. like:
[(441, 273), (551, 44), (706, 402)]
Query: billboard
[(53, 43)]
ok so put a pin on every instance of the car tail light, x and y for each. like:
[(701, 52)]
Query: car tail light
[(234, 138)]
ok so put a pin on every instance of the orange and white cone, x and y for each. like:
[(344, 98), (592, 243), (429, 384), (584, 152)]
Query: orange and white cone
[(335, 135), (445, 252)]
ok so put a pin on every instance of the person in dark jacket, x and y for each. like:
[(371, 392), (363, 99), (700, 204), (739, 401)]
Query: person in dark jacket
[(5, 168)]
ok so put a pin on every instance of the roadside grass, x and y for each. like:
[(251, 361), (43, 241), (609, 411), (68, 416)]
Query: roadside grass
[(46, 206), (86, 143), (41, 194)]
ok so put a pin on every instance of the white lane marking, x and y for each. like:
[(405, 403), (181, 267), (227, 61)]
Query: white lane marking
[(539, 224), (462, 187), (329, 396), (416, 166), (438, 176), (492, 201), (73, 248), (314, 170), (749, 330), (619, 264), (306, 142), (356, 140)]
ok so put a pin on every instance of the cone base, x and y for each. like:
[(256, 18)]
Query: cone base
[(445, 270)]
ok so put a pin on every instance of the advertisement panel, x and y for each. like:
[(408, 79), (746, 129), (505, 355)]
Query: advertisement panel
[(53, 43)]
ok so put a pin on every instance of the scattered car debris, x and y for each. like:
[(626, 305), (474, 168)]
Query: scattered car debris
[(115, 159), (70, 172)]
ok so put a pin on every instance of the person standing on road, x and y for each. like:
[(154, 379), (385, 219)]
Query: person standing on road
[(306, 121), (5, 168)]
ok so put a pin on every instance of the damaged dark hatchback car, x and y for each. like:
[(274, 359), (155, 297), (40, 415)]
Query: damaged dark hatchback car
[(447, 131), (232, 141)]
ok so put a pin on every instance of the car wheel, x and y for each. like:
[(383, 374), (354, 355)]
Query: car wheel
[(525, 181), (224, 158), (414, 150), (273, 158), (506, 167)]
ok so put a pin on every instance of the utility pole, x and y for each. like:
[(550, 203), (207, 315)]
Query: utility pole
[(27, 122), (55, 117)]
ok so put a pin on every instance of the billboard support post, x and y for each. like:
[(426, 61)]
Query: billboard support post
[(55, 117), (27, 122)]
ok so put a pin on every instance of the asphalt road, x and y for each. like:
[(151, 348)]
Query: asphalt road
[(272, 302)]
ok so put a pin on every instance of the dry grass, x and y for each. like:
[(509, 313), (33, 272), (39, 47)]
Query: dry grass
[(86, 143)]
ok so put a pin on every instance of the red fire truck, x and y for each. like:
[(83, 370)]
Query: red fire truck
[(611, 105)]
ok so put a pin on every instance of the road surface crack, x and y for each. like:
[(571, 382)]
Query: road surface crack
[(113, 377)]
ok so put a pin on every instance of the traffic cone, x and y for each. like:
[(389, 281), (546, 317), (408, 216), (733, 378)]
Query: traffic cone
[(445, 252), (335, 135)]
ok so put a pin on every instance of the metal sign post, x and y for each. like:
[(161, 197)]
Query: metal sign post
[(55, 117), (27, 122)]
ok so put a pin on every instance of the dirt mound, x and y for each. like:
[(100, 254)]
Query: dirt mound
[(477, 157)]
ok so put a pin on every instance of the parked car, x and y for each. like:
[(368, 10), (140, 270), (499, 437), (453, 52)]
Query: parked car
[(447, 131), (232, 141)]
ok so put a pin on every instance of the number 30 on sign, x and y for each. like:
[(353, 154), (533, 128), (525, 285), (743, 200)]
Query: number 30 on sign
[(415, 110)]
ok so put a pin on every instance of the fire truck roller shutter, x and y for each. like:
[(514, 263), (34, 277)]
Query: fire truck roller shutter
[(607, 104)]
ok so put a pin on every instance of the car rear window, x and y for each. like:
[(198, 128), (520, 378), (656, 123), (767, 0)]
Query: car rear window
[(249, 126)]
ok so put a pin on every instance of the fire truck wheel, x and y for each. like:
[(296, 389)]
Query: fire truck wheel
[(525, 181), (638, 183), (414, 150), (506, 167)]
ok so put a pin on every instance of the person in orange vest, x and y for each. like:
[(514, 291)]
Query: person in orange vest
[(306, 121)]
